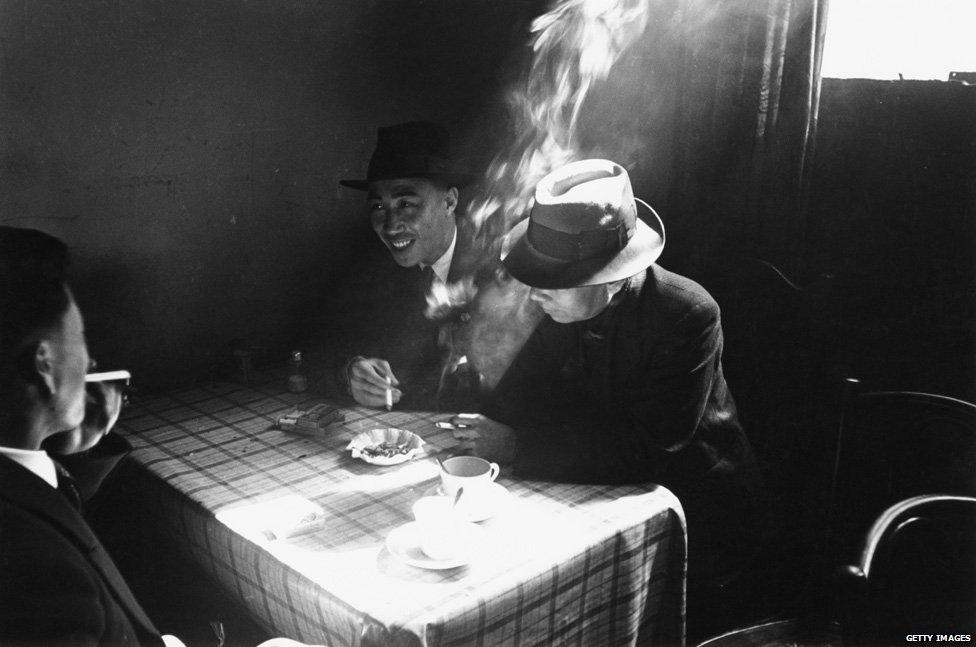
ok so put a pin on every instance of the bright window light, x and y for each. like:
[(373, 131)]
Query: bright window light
[(891, 39)]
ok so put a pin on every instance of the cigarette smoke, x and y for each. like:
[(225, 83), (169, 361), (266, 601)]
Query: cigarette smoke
[(574, 46)]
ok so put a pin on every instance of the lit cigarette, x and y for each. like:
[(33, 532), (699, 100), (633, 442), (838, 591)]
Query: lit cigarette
[(109, 376), (389, 393), (443, 424)]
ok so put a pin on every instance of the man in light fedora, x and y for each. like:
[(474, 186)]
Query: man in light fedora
[(623, 381), (411, 187)]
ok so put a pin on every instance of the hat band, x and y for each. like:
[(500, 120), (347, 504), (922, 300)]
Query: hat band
[(566, 247), (394, 166)]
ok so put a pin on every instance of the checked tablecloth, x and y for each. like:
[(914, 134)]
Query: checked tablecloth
[(562, 564)]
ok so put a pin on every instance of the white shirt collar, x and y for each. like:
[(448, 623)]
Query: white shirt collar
[(36, 460), (442, 266)]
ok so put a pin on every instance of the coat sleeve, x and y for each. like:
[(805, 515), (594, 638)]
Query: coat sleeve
[(592, 441)]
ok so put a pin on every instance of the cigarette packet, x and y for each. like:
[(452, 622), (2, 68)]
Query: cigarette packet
[(108, 376), (312, 421)]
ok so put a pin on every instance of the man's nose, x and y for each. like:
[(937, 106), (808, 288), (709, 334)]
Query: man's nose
[(393, 222)]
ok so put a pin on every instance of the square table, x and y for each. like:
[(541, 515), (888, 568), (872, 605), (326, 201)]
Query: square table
[(560, 564)]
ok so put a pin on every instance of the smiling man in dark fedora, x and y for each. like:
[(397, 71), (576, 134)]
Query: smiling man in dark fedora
[(623, 381), (411, 187)]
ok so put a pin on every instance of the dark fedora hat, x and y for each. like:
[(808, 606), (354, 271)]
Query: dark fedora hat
[(412, 149), (584, 229)]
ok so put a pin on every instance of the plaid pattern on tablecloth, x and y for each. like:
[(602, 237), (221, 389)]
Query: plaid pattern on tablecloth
[(562, 564)]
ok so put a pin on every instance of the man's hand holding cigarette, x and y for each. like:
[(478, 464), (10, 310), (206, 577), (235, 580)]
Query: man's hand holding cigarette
[(484, 437), (372, 383), (103, 403)]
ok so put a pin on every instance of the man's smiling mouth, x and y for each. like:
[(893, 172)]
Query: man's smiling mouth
[(400, 245)]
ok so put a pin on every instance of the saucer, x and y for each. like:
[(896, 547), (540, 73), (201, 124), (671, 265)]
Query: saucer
[(404, 543), (481, 510)]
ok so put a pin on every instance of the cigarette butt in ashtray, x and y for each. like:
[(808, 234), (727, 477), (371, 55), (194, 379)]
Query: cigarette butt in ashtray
[(109, 376), (389, 393)]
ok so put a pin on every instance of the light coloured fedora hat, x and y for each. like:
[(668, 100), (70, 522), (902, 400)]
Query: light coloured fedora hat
[(584, 229)]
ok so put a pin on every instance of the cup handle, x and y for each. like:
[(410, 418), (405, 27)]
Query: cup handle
[(493, 470)]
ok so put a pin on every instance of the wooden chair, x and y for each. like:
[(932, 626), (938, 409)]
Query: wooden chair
[(792, 632), (916, 573), (892, 445), (886, 446)]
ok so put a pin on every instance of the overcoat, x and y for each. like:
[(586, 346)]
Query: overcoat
[(637, 394)]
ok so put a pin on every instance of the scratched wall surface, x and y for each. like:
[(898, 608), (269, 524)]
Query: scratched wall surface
[(189, 151)]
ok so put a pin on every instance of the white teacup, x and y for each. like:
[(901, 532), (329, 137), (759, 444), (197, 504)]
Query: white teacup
[(441, 528), (473, 474)]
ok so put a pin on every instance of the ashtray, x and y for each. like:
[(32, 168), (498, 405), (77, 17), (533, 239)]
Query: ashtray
[(388, 446)]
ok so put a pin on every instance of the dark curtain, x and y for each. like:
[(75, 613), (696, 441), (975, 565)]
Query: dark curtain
[(747, 91)]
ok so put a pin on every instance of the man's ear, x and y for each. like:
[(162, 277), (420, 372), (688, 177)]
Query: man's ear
[(451, 199), (42, 369)]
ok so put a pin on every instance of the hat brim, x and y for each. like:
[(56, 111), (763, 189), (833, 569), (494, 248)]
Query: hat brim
[(539, 271), (450, 179)]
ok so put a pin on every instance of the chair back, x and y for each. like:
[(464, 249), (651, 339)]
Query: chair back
[(789, 632), (892, 445), (916, 573)]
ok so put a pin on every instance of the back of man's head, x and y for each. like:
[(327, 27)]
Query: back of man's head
[(33, 297)]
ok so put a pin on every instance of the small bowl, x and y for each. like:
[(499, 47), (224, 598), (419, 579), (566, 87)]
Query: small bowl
[(411, 445)]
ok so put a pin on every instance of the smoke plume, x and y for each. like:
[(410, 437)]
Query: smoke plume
[(574, 45)]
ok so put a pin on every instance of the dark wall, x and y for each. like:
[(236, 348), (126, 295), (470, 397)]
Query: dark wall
[(189, 151), (893, 224)]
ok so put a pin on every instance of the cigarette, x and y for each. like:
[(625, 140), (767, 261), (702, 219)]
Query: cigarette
[(389, 393), (109, 376), (443, 424)]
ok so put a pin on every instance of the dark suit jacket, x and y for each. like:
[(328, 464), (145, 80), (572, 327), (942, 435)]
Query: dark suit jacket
[(58, 586), (636, 395)]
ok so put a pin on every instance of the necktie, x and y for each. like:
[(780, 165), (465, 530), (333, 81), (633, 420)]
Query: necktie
[(426, 281), (67, 486)]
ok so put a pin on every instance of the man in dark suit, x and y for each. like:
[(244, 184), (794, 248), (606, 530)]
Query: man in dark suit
[(405, 344), (59, 586), (623, 381)]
